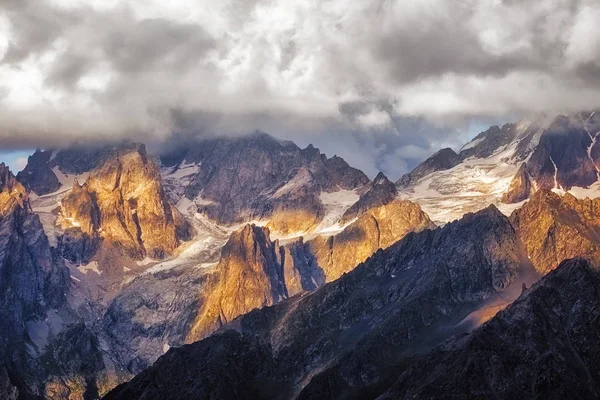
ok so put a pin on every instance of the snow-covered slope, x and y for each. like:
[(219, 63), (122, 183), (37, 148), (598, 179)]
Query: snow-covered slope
[(558, 153)]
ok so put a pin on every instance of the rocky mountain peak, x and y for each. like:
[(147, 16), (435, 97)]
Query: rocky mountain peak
[(377, 193), (252, 178), (353, 328), (521, 187), (442, 160), (554, 228), (248, 276), (37, 176), (123, 201), (32, 282), (12, 192)]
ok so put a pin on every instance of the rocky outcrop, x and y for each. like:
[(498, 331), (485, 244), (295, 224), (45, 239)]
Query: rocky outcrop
[(248, 276), (521, 187), (561, 158), (377, 193), (259, 177), (32, 282), (123, 202), (255, 272), (405, 296), (37, 176), (554, 228), (442, 160), (153, 313), (375, 229), (541, 346), (488, 142)]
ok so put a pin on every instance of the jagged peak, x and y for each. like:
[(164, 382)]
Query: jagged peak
[(490, 213), (251, 230), (381, 179), (444, 151), (8, 181)]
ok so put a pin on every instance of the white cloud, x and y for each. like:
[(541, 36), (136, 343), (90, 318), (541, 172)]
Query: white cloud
[(20, 163), (110, 68)]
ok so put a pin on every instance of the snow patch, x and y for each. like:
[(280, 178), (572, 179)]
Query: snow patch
[(92, 266), (145, 261), (335, 204), (472, 144), (184, 170), (470, 186)]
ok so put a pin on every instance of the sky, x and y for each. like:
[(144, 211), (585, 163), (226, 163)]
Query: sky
[(382, 83)]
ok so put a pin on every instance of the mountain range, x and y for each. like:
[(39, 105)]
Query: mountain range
[(247, 267)]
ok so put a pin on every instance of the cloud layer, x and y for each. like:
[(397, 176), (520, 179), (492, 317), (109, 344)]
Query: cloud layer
[(397, 79)]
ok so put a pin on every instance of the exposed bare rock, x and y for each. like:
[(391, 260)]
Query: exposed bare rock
[(248, 276), (153, 313), (375, 229), (80, 208), (377, 193), (561, 158), (255, 272), (260, 177), (542, 346), (350, 330), (32, 282), (123, 202), (296, 205), (555, 228), (442, 160), (37, 176), (487, 143), (520, 187)]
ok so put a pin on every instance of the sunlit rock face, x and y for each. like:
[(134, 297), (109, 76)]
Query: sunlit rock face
[(552, 329), (123, 201), (248, 276), (40, 173), (259, 177), (255, 272), (349, 331), (375, 229), (554, 228)]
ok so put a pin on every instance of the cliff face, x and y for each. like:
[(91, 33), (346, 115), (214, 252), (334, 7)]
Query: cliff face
[(255, 272), (26, 262), (521, 187), (248, 276), (543, 346), (377, 193), (123, 202), (259, 177), (375, 229), (37, 176), (555, 228), (561, 159), (32, 281), (407, 295), (440, 161)]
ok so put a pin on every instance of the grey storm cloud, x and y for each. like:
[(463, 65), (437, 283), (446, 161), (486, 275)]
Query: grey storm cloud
[(381, 82)]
